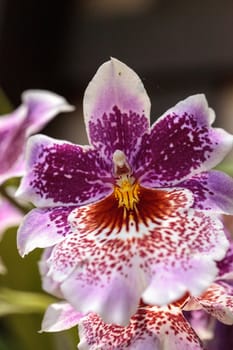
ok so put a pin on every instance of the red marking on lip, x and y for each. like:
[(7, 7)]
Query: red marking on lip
[(153, 206)]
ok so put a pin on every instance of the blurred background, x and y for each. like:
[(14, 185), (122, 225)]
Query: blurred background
[(177, 47)]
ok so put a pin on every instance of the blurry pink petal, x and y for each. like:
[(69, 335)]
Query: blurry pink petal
[(116, 109), (42, 106), (61, 173), (37, 109), (60, 316), (9, 216)]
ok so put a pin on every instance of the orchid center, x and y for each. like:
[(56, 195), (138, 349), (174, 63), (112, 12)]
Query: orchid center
[(126, 190)]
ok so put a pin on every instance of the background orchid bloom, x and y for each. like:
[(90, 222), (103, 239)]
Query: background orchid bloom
[(134, 215), (37, 109)]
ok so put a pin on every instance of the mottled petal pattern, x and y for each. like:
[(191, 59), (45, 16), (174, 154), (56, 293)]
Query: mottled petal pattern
[(212, 190), (217, 300), (181, 144), (116, 109), (151, 328), (152, 248), (61, 173), (37, 109), (43, 228)]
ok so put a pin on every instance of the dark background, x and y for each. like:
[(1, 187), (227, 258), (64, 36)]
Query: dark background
[(178, 47)]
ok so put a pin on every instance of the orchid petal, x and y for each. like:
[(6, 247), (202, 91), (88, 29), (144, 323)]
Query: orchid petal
[(9, 216), (217, 301), (164, 246), (116, 109), (151, 328), (225, 266), (203, 324), (181, 144), (59, 317), (43, 228), (60, 173), (48, 284), (37, 109), (212, 190), (42, 106)]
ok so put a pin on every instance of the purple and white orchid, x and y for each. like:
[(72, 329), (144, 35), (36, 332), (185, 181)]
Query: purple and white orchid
[(37, 109), (132, 216), (153, 327)]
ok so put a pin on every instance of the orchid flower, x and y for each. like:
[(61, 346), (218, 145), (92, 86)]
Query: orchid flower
[(37, 109), (132, 216), (216, 303), (152, 327)]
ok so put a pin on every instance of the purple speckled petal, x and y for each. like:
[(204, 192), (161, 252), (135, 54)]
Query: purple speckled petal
[(212, 190), (217, 300), (181, 144), (37, 109), (59, 317), (151, 328), (60, 173), (9, 216), (43, 228), (116, 109)]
